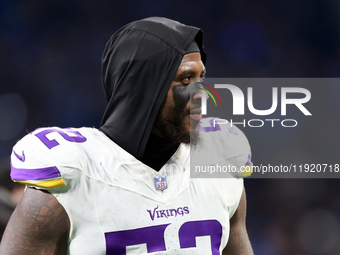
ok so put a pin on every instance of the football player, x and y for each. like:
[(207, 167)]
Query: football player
[(126, 188)]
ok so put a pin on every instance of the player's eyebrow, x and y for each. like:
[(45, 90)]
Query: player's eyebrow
[(187, 73)]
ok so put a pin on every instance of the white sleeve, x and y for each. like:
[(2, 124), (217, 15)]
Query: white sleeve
[(47, 158)]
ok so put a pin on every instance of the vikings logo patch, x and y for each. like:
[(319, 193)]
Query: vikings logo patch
[(160, 183)]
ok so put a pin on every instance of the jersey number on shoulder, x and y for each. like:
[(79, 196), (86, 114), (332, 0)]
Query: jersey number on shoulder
[(213, 126), (67, 134), (153, 237)]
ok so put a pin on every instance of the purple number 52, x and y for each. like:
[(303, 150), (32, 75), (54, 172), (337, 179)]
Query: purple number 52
[(153, 237), (76, 136), (214, 127)]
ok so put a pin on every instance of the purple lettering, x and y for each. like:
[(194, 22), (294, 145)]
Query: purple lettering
[(168, 212), (214, 127), (78, 138), (186, 210), (153, 237), (116, 242), (173, 210), (152, 214), (189, 231), (163, 214)]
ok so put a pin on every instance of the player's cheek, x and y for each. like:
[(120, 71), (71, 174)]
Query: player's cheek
[(181, 96)]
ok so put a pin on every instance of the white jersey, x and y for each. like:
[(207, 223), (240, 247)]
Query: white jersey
[(118, 205)]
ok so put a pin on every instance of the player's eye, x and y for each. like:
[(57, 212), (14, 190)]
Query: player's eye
[(186, 80)]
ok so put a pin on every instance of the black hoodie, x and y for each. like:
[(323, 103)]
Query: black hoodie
[(138, 65)]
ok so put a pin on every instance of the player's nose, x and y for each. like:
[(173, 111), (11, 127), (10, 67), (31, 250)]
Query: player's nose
[(199, 93)]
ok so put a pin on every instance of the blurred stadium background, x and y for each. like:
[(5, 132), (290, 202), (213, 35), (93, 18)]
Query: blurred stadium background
[(50, 55)]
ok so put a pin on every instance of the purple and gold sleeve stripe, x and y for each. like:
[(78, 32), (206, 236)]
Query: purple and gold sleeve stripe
[(247, 171), (48, 177)]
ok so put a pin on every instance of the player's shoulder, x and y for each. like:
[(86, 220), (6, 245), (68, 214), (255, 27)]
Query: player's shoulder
[(54, 142), (37, 159), (222, 145), (223, 133)]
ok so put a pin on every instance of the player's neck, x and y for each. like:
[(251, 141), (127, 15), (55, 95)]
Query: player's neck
[(158, 151)]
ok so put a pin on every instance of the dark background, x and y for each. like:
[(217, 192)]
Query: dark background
[(50, 55)]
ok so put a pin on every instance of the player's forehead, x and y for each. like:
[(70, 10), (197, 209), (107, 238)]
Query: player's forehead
[(191, 62)]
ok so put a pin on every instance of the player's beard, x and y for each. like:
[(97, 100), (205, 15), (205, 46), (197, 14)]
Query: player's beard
[(173, 126)]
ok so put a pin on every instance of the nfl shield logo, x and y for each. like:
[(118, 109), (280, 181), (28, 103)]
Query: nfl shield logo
[(160, 183)]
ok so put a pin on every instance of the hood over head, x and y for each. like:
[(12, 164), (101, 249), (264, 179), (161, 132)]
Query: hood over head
[(138, 65)]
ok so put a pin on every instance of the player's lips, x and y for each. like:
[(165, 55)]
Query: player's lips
[(196, 114)]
